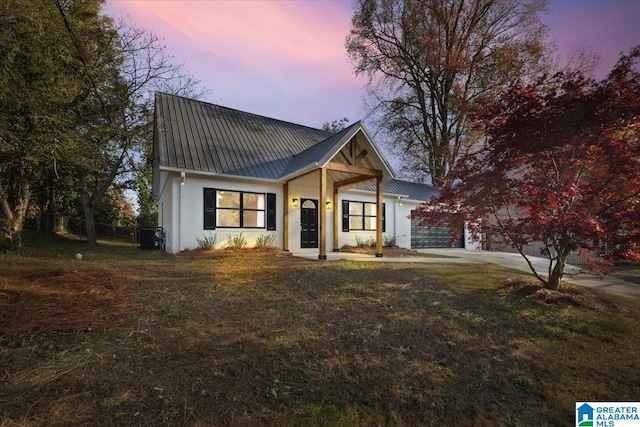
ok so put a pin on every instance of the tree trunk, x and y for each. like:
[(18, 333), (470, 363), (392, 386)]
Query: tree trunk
[(558, 270), (87, 205), (12, 219)]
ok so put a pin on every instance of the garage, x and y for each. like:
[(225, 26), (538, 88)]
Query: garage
[(426, 236)]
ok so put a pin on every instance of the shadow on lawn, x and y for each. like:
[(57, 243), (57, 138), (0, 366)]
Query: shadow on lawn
[(265, 339)]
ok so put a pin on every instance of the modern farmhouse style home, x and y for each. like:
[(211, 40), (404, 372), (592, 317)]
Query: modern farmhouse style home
[(221, 172)]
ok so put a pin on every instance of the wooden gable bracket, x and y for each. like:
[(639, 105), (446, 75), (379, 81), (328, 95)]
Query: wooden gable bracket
[(362, 154), (351, 158), (353, 180), (339, 167)]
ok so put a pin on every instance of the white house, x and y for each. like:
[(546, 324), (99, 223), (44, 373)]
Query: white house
[(222, 171)]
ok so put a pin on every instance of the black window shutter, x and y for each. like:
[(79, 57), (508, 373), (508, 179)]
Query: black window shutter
[(384, 217), (209, 209), (271, 211), (345, 215)]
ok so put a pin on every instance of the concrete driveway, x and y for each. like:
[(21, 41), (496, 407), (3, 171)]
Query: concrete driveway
[(510, 260)]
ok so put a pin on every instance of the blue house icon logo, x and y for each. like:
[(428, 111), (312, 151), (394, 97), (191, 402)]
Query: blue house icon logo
[(585, 416)]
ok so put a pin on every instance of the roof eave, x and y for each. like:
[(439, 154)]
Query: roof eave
[(298, 172), (384, 193), (216, 174)]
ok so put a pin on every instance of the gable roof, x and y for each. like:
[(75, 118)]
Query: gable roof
[(315, 153), (199, 136), (411, 190)]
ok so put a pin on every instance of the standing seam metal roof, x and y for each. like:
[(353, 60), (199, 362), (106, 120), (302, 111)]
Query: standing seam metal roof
[(196, 135), (413, 190)]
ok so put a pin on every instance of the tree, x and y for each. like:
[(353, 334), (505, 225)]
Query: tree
[(76, 92), (560, 168), (125, 66), (428, 62), (336, 125), (38, 89)]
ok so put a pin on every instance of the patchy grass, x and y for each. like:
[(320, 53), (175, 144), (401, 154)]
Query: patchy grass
[(131, 337), (630, 273)]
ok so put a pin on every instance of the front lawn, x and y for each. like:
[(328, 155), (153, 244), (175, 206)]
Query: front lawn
[(131, 337), (628, 272)]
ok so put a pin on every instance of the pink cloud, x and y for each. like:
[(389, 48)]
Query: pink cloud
[(286, 59), (252, 53)]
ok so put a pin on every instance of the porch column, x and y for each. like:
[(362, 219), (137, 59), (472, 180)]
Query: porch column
[(379, 216), (285, 209), (336, 219), (323, 214)]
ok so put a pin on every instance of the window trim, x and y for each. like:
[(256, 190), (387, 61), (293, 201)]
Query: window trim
[(346, 216), (211, 209)]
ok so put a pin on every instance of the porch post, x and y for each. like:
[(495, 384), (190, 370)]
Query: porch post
[(336, 219), (379, 216), (285, 210), (323, 214)]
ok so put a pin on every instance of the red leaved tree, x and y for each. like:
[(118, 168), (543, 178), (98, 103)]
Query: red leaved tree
[(560, 169)]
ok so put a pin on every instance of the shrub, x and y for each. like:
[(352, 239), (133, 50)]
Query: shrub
[(207, 242), (236, 242), (265, 241), (390, 242), (363, 243)]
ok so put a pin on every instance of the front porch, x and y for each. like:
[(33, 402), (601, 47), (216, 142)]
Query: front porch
[(314, 216)]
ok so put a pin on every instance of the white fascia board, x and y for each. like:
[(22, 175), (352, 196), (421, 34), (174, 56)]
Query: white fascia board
[(216, 174), (294, 175), (340, 145), (417, 202), (354, 190), (404, 198)]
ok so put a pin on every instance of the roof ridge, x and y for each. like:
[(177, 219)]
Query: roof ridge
[(329, 134)]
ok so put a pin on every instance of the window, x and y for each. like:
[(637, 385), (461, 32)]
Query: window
[(360, 216), (238, 209)]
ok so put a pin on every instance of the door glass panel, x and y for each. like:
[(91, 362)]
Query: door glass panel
[(308, 204)]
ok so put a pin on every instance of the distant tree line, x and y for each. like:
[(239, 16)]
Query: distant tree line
[(76, 113)]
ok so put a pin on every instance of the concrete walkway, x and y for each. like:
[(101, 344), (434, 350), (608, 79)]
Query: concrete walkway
[(505, 259)]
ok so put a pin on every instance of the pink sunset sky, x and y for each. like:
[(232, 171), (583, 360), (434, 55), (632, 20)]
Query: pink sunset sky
[(286, 59)]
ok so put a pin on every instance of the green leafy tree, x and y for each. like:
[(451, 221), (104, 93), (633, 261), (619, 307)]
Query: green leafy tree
[(39, 87), (120, 137), (76, 93), (428, 62)]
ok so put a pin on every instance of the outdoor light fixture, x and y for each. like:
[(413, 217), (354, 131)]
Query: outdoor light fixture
[(294, 203), (328, 204)]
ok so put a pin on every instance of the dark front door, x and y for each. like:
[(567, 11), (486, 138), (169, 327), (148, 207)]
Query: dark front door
[(308, 223)]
